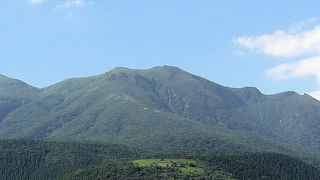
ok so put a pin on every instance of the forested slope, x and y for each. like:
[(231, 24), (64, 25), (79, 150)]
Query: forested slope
[(24, 159)]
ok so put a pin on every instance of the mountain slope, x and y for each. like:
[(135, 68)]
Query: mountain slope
[(164, 109), (14, 94), (287, 117)]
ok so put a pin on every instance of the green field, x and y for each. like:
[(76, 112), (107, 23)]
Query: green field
[(186, 167)]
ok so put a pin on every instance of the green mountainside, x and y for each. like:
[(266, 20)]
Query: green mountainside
[(162, 110), (166, 91), (14, 94)]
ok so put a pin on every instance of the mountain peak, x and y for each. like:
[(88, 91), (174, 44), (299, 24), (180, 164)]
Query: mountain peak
[(252, 89), (167, 68), (247, 93), (287, 94), (119, 69), (164, 67), (157, 71)]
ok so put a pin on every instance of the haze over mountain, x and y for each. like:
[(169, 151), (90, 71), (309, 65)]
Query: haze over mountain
[(162, 108)]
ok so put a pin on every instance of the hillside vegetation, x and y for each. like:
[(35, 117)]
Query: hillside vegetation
[(24, 159), (244, 166)]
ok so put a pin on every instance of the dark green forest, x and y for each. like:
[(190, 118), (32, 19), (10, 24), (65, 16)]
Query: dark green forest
[(268, 166), (25, 159)]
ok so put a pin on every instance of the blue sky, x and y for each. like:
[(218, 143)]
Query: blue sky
[(272, 45)]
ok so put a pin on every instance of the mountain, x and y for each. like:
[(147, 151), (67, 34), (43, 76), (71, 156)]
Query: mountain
[(162, 109)]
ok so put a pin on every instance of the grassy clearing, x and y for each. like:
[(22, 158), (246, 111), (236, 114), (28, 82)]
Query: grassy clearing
[(186, 166)]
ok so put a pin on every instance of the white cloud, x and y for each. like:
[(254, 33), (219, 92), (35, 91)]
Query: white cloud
[(284, 43), (296, 27), (294, 42), (70, 3), (305, 67), (35, 1), (315, 94)]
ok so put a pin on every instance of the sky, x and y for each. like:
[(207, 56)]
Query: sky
[(272, 45)]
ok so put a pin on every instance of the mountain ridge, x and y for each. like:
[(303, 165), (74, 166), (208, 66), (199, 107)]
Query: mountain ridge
[(120, 68)]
